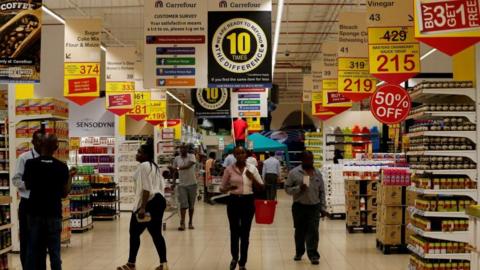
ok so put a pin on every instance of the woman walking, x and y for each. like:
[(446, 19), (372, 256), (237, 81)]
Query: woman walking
[(149, 207), (240, 179)]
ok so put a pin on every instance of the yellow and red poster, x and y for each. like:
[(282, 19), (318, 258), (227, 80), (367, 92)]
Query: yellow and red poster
[(394, 53), (120, 79), (330, 80), (82, 60), (450, 26), (158, 107), (354, 79), (254, 125), (141, 106), (317, 107)]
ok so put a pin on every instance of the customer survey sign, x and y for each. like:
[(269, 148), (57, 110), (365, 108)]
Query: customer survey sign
[(448, 25)]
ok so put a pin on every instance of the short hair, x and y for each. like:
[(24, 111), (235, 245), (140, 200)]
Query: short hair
[(212, 155), (306, 153)]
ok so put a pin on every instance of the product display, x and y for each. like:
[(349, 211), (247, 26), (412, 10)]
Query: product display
[(314, 143), (105, 198), (125, 166), (80, 204), (335, 190), (351, 142)]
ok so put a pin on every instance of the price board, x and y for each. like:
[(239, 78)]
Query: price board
[(158, 108), (119, 103), (141, 106), (450, 26), (81, 81), (329, 65), (394, 54), (391, 104)]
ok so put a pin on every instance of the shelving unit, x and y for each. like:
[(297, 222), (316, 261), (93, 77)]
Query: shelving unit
[(81, 204), (314, 143), (105, 198), (125, 166), (5, 193), (335, 190), (433, 124), (350, 142)]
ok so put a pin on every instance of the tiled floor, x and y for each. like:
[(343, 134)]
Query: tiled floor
[(207, 247)]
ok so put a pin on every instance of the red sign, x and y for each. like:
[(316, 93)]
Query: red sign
[(120, 100), (391, 104), (335, 98), (84, 85), (443, 16)]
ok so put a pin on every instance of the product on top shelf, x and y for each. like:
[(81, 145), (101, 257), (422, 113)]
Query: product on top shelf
[(25, 107), (439, 224), (443, 182), (445, 124), (440, 143), (443, 108), (443, 84), (433, 246), (396, 176), (443, 205), (422, 162)]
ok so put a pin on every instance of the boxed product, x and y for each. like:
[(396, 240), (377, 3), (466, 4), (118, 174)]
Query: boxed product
[(372, 188), (21, 130), (372, 219), (32, 127), (389, 234), (353, 218), (372, 202), (390, 195), (390, 215), (411, 197), (34, 106), (21, 106), (352, 188)]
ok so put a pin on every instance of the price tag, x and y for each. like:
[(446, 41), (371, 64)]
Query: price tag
[(157, 112), (317, 107), (119, 103), (74, 143), (254, 124), (354, 80), (141, 108), (336, 102), (119, 86), (81, 81)]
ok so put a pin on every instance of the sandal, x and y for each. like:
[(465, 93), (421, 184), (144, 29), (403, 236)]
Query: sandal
[(128, 266)]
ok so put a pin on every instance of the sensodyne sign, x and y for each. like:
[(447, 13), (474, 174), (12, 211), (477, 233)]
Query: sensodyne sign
[(91, 120)]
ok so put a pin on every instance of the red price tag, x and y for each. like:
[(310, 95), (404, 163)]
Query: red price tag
[(391, 104)]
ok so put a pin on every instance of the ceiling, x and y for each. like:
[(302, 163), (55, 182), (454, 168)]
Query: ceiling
[(305, 25)]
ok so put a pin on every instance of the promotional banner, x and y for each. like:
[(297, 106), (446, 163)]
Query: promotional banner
[(394, 53), (391, 104), (175, 124), (90, 120), (331, 99), (239, 43), (354, 79), (307, 87), (20, 35), (175, 44), (249, 103), (335, 102), (141, 106), (157, 107), (120, 79), (450, 26), (317, 107), (82, 60), (211, 102)]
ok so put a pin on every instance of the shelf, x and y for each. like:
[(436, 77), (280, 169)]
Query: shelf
[(452, 256), (105, 203), (85, 228), (472, 154), (109, 154), (422, 213), (80, 195), (472, 135), (472, 173), (4, 188), (436, 114), (353, 135), (103, 189), (19, 141), (430, 94), (105, 217), (359, 142), (5, 227), (81, 212), (5, 200), (447, 236), (6, 250), (472, 193), (39, 117)]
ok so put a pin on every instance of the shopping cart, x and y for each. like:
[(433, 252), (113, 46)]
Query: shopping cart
[(172, 201)]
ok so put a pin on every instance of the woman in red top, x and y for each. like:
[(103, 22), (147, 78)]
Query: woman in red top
[(239, 179)]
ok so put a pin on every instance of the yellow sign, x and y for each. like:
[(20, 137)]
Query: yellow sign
[(329, 84), (81, 80), (335, 102), (141, 105), (254, 124), (74, 143), (157, 111), (119, 86), (354, 79)]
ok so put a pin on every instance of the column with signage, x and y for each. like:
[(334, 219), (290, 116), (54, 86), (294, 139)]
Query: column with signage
[(354, 79), (82, 60)]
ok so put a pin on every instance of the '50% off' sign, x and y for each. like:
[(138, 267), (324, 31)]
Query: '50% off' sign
[(390, 104)]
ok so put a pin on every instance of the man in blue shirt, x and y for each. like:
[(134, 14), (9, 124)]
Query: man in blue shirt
[(271, 174)]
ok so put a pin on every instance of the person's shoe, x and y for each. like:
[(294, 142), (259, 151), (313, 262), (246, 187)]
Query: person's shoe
[(315, 261), (190, 227), (162, 266), (297, 258), (182, 227), (243, 268), (233, 264)]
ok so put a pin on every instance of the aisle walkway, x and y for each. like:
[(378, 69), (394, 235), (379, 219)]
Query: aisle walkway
[(207, 247)]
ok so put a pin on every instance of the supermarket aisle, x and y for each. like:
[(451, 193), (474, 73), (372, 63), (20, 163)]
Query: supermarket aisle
[(207, 247)]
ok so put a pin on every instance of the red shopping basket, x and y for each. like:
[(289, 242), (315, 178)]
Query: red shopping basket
[(265, 211)]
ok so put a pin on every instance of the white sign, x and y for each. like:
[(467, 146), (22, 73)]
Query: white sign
[(120, 64), (175, 52), (247, 103), (90, 120), (82, 40), (307, 87)]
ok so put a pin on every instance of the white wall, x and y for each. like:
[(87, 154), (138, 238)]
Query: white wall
[(352, 118)]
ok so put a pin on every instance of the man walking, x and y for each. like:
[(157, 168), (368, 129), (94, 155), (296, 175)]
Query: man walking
[(187, 188), (306, 185), (271, 174), (25, 194), (48, 180)]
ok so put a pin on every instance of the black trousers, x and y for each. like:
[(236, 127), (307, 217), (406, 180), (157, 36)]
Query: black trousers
[(240, 210), (24, 235), (271, 186), (306, 220), (156, 208), (240, 143)]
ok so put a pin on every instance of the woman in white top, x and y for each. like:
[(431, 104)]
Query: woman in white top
[(149, 207)]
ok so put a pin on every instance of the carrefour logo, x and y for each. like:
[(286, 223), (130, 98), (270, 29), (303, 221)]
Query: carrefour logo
[(223, 4), (158, 4)]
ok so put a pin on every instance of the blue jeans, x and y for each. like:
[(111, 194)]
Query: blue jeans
[(44, 234)]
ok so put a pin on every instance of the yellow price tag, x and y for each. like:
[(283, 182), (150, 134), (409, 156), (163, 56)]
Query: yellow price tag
[(354, 78), (391, 35), (141, 105), (81, 80), (395, 58), (82, 69), (330, 84), (157, 111), (74, 143), (120, 86), (360, 64)]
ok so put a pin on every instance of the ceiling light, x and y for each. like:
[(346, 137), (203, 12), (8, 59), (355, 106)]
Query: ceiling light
[(53, 14), (276, 37), (103, 48)]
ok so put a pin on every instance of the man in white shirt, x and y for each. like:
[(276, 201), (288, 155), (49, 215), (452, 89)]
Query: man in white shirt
[(37, 139), (271, 174), (229, 160)]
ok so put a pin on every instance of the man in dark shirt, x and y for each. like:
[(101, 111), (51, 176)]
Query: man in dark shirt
[(48, 180)]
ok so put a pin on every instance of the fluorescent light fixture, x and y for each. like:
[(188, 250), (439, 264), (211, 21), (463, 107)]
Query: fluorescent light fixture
[(188, 107), (180, 101), (53, 14), (421, 59), (427, 54), (276, 37), (103, 48)]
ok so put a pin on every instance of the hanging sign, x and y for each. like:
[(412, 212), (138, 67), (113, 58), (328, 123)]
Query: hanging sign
[(211, 102), (141, 106), (20, 35), (120, 79), (175, 44), (82, 60), (307, 87), (157, 107), (239, 44), (249, 102), (254, 124), (450, 26), (394, 53), (391, 104), (354, 79), (317, 107), (175, 124), (335, 101), (90, 120), (317, 71), (331, 99)]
